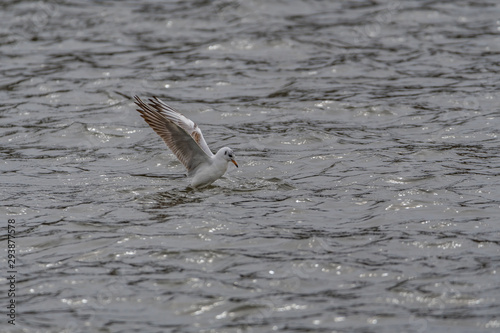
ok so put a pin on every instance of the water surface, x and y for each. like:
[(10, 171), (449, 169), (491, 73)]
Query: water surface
[(367, 197)]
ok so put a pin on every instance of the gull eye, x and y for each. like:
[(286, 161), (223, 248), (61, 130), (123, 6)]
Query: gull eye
[(225, 153)]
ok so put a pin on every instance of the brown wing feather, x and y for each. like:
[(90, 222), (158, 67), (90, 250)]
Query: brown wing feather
[(182, 144), (180, 120)]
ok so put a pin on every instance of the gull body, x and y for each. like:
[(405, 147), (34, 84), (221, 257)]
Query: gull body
[(186, 141), (206, 174)]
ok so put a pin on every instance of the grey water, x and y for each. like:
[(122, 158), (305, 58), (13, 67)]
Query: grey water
[(367, 197)]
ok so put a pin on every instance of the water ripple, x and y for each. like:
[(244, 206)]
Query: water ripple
[(367, 138)]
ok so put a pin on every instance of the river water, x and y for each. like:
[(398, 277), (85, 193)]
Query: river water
[(367, 198)]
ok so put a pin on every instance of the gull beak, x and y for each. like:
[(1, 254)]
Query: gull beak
[(234, 162)]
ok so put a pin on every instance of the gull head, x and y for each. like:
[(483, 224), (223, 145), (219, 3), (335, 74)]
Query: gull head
[(226, 154)]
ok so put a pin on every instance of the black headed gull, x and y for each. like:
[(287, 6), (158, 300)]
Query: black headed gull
[(186, 141)]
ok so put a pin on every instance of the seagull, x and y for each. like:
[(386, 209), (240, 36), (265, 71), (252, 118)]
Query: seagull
[(185, 140)]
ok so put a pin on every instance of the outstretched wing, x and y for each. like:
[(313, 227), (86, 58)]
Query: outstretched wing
[(180, 120), (173, 128)]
